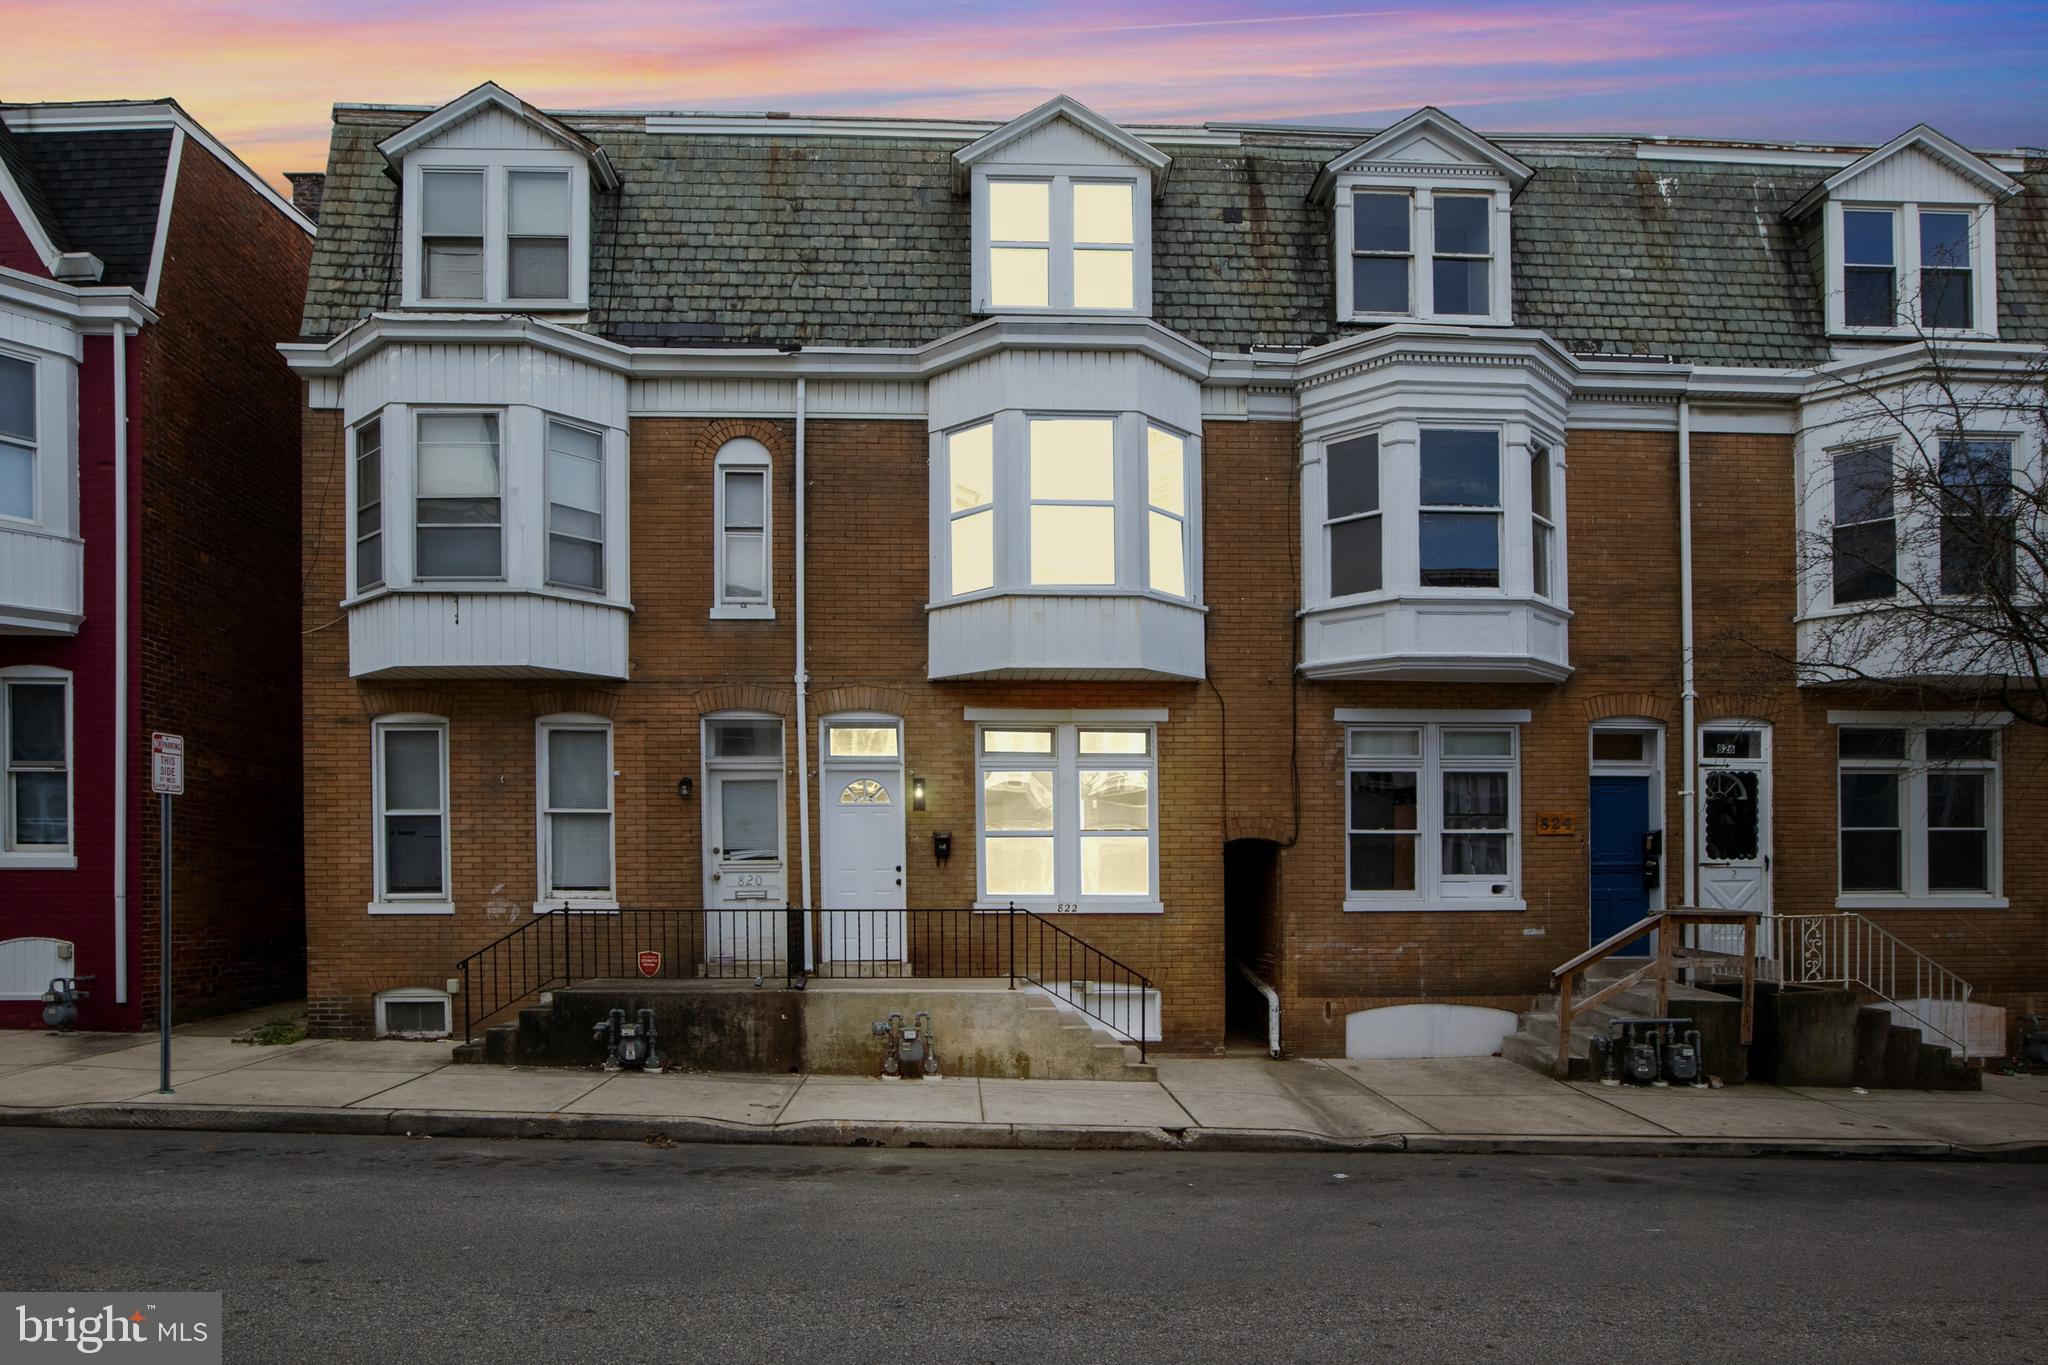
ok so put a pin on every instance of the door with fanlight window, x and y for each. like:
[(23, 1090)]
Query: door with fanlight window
[(1735, 828), (746, 882), (862, 795)]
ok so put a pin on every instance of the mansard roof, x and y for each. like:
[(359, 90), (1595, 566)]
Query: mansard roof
[(738, 230), (94, 191)]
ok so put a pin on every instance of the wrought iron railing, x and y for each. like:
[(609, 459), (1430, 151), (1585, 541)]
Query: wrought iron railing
[(671, 944), (1850, 952)]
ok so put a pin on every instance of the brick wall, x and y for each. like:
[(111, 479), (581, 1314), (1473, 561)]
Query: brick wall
[(219, 550)]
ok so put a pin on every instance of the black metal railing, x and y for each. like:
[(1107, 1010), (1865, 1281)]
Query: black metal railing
[(675, 944)]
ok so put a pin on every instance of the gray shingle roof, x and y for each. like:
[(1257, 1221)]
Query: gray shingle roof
[(99, 192), (863, 241)]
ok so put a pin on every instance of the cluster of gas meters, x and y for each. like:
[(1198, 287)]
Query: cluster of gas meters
[(1660, 1052)]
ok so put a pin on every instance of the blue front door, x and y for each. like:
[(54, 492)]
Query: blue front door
[(1621, 817)]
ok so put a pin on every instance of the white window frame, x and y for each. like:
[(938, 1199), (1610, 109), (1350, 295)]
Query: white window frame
[(1062, 246), (496, 166), (356, 588), (412, 995), (549, 421), (1011, 478), (1066, 763), (1181, 520), (990, 509), (35, 439), (500, 418), (1906, 268), (43, 857), (1498, 509), (1543, 527), (550, 897), (1422, 192), (2015, 472), (1835, 455), (1331, 521), (1435, 889), (1911, 772), (712, 766), (738, 456), (410, 903)]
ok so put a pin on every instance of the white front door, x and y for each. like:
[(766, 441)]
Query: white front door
[(862, 795), (1735, 829), (746, 875)]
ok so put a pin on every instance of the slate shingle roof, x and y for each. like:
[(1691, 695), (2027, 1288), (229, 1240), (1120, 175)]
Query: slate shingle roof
[(863, 241), (96, 192)]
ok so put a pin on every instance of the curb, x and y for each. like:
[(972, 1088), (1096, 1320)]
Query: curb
[(975, 1136)]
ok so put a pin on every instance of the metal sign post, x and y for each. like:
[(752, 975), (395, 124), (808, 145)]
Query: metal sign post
[(166, 779)]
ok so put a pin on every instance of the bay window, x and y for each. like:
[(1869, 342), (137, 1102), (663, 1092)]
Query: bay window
[(575, 493), (971, 529), (1356, 536), (1432, 814), (1543, 525), (1166, 516), (409, 777), (458, 522), (1073, 501), (35, 728), (1976, 511), (1459, 530), (1918, 812), (17, 438), (575, 789), (369, 508), (1865, 535), (1068, 814)]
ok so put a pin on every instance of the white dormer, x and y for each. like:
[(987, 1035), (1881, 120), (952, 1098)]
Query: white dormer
[(1910, 238), (1062, 214), (496, 205), (1421, 227)]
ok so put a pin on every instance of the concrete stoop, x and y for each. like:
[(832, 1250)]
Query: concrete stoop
[(979, 1028)]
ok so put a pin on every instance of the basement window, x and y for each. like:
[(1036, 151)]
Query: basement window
[(413, 1013)]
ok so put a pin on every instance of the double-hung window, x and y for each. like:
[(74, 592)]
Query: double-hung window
[(1946, 287), (1918, 811), (1020, 243), (1464, 254), (1073, 501), (1432, 814), (1354, 526), (452, 234), (971, 524), (1977, 531), (458, 525), (1865, 535), (1166, 514), (35, 726), (576, 811), (742, 530), (369, 504), (1062, 242), (1382, 251), (17, 438), (1870, 268), (411, 785), (1069, 815), (1105, 244), (575, 479), (537, 235), (1459, 530), (1543, 524)]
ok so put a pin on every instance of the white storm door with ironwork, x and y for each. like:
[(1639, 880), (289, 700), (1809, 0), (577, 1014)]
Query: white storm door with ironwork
[(1735, 828)]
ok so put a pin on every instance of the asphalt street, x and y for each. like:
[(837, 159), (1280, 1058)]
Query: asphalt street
[(389, 1249)]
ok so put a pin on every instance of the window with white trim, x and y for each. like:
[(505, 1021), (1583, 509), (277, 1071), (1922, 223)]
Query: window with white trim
[(742, 510), (1976, 512), (1068, 814), (1073, 501), (1908, 268), (17, 438), (1356, 534), (452, 234), (1946, 287), (1870, 268), (369, 511), (1463, 263), (35, 723), (1422, 248), (1543, 524), (1065, 243), (1918, 814), (496, 228), (459, 506), (971, 522), (1166, 516), (1459, 529), (1382, 251), (410, 782), (413, 1013), (1865, 536), (537, 235), (575, 490), (1433, 814), (575, 788)]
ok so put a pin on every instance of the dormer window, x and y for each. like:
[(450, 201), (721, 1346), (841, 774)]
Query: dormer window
[(1464, 254), (1062, 214), (1870, 267), (537, 235), (452, 234), (1382, 257)]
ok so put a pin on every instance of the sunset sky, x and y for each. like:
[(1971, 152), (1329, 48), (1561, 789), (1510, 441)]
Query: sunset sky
[(264, 76)]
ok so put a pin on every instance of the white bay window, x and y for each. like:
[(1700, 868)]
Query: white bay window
[(17, 438), (575, 491), (1433, 813), (458, 507), (1068, 815)]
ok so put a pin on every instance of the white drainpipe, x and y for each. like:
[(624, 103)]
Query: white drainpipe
[(1272, 1006), (121, 665), (1690, 695), (803, 686)]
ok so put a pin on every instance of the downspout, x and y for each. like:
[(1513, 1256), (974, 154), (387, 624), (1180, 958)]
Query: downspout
[(121, 666), (1272, 1005), (1689, 697), (803, 685)]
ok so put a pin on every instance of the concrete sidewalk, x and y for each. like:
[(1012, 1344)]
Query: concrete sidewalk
[(1240, 1104)]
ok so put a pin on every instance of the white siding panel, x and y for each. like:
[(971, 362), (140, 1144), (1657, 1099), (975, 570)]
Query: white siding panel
[(1047, 635), (679, 396), (40, 333), (42, 583), (493, 375), (1058, 143), (1066, 381), (1912, 176), (492, 129), (27, 966), (500, 634)]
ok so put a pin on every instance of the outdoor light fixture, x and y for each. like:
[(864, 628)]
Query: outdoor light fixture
[(684, 787), (916, 791)]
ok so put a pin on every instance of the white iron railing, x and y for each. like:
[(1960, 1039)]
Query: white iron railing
[(1853, 953)]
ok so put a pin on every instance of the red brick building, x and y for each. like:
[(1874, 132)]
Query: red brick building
[(1246, 547), (147, 543)]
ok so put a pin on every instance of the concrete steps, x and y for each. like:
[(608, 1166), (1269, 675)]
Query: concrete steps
[(1717, 1017)]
